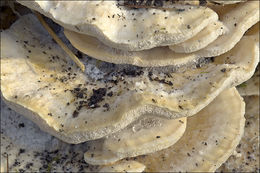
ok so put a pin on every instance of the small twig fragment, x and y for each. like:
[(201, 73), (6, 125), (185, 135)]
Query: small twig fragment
[(59, 41)]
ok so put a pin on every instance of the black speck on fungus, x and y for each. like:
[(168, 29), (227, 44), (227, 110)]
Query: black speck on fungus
[(20, 125), (97, 97), (75, 114), (223, 70)]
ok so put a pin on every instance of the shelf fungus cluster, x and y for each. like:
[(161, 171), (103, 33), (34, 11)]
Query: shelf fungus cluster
[(159, 88)]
